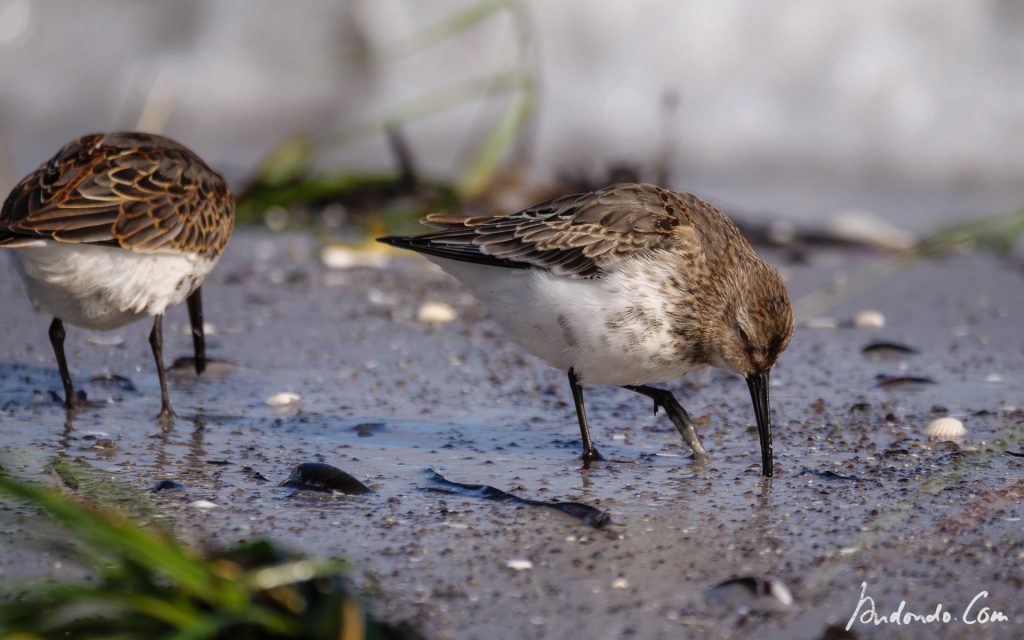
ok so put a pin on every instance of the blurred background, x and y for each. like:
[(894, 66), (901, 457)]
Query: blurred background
[(794, 110)]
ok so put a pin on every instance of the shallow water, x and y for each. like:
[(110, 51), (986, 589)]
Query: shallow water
[(860, 494)]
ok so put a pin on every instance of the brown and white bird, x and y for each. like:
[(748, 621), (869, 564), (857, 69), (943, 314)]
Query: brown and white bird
[(114, 228), (629, 285)]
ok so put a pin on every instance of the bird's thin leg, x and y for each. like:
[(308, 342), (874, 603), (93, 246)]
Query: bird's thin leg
[(156, 341), (57, 341), (195, 316), (590, 453), (676, 413)]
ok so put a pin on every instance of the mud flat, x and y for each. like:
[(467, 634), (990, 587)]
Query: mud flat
[(383, 390)]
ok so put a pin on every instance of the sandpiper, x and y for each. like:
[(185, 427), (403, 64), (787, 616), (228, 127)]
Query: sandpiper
[(114, 228), (630, 285)]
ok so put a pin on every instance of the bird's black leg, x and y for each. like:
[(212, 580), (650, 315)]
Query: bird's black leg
[(195, 315), (156, 341), (590, 452), (57, 341), (676, 413)]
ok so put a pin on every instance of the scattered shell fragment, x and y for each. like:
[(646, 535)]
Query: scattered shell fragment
[(993, 378), (519, 564), (105, 339), (945, 429), (318, 476), (751, 593), (344, 258), (436, 312), (203, 504), (209, 329), (822, 322), (283, 399), (620, 583), (864, 227), (869, 318)]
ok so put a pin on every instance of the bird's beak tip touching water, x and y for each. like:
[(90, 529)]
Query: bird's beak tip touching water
[(758, 384)]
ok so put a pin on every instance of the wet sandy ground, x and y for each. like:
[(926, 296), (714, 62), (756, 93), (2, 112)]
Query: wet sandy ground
[(861, 494)]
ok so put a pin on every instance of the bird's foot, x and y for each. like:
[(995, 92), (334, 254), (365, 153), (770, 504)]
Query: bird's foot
[(590, 456), (166, 415)]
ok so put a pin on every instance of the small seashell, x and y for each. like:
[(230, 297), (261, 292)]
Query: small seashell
[(945, 429), (869, 318), (519, 564), (620, 583), (822, 322), (283, 399), (864, 227), (203, 504), (436, 312), (343, 258), (105, 339)]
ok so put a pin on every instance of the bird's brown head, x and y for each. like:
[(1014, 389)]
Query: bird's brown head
[(756, 324), (754, 327)]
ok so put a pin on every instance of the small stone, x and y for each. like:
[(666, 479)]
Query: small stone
[(283, 399), (519, 564), (620, 583), (205, 505), (436, 312)]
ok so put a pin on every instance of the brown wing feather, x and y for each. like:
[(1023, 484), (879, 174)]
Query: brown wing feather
[(574, 235), (138, 191)]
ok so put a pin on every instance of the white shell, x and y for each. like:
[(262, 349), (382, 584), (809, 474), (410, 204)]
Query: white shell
[(203, 504), (519, 564), (283, 399), (436, 312), (945, 429), (869, 318)]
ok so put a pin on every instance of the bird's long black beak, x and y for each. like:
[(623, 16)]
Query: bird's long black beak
[(758, 384)]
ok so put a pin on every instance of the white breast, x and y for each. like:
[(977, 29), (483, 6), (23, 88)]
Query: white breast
[(611, 330), (99, 287)]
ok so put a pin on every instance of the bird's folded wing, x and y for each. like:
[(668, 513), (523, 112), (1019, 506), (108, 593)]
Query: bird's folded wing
[(146, 199), (574, 235)]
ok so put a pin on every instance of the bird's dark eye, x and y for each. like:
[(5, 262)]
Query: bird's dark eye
[(743, 335)]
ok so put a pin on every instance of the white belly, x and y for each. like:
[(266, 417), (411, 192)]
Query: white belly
[(610, 330), (99, 287)]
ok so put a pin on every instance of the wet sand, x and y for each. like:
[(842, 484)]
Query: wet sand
[(860, 493)]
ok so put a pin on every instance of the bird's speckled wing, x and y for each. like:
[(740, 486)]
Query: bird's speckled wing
[(574, 235), (138, 191)]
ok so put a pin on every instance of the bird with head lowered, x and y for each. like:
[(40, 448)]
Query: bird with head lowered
[(630, 285)]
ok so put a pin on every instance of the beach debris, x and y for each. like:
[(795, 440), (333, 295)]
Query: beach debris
[(883, 349), (903, 382), (434, 312), (283, 399), (167, 485), (591, 516), (204, 505), (945, 429), (869, 319), (821, 322), (319, 476), (253, 474), (751, 593), (334, 257), (864, 227), (519, 564)]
